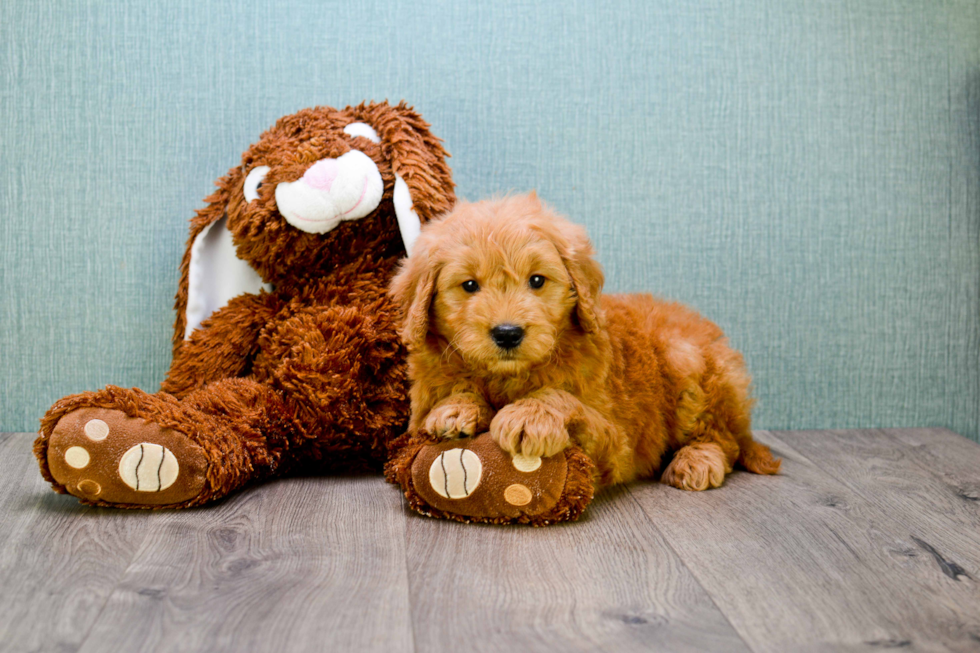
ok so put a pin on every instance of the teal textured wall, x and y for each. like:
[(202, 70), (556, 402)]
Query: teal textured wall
[(807, 174)]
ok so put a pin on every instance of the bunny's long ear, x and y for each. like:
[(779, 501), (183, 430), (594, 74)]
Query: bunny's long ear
[(211, 273), (423, 182)]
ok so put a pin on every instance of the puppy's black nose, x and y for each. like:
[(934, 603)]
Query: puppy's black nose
[(507, 336)]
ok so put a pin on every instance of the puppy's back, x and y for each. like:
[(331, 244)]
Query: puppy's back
[(665, 353)]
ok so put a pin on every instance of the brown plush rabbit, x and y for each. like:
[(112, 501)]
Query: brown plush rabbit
[(285, 348)]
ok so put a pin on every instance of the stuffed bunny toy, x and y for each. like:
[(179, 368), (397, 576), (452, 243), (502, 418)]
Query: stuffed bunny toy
[(286, 356)]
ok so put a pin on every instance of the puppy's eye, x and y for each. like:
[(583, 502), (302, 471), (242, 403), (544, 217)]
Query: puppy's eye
[(253, 181), (471, 286), (536, 281)]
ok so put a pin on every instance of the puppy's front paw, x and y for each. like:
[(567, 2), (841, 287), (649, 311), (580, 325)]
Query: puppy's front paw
[(529, 429), (453, 420)]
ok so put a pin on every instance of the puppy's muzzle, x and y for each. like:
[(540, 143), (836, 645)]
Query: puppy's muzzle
[(507, 336)]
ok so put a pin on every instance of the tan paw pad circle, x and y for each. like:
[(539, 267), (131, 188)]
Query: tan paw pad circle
[(517, 495), (96, 430), (90, 488), (456, 473), (526, 464), (77, 457), (148, 467)]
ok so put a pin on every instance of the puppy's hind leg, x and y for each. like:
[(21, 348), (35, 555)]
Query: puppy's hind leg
[(698, 466), (708, 452), (713, 418)]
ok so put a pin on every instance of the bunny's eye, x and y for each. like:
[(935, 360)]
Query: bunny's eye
[(362, 129), (253, 181)]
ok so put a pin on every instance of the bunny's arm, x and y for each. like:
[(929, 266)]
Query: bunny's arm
[(223, 346)]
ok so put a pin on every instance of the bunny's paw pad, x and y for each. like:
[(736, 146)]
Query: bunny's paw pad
[(102, 455), (473, 479)]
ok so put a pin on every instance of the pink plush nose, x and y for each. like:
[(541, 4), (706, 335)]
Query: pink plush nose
[(321, 174)]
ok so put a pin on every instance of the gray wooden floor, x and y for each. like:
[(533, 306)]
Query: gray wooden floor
[(869, 540)]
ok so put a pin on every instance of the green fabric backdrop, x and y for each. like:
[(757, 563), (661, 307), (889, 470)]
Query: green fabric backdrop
[(807, 174)]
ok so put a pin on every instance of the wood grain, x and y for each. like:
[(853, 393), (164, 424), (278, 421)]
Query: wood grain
[(59, 561), (609, 582), (933, 496), (951, 456), (867, 541), (312, 564), (801, 561), (16, 474)]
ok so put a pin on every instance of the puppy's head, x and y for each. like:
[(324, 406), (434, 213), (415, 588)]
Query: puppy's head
[(499, 282)]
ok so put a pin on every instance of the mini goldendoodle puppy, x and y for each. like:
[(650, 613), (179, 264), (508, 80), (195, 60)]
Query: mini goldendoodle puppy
[(507, 331)]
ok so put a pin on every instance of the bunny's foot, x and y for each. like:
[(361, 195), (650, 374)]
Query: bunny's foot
[(125, 448), (474, 480), (102, 455)]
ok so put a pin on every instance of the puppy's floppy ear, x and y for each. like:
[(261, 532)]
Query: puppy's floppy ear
[(423, 182), (577, 254), (412, 290), (587, 278)]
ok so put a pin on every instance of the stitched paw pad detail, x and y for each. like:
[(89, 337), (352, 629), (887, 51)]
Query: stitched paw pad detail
[(474, 477), (148, 467), (103, 455), (455, 474)]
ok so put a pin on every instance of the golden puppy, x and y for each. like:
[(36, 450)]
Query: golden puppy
[(507, 331)]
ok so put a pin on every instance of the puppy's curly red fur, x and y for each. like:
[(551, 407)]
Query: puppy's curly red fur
[(635, 381)]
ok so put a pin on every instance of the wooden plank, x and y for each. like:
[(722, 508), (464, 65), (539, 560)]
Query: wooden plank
[(948, 454), (17, 470), (862, 544), (59, 560), (311, 564), (18, 475), (609, 582), (929, 492), (801, 561)]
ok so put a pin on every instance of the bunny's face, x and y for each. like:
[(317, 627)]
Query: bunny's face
[(323, 187), (345, 184)]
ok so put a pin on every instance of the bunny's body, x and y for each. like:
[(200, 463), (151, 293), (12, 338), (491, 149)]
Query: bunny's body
[(285, 350)]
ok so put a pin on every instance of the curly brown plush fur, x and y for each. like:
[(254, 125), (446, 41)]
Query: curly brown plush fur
[(508, 332), (310, 374)]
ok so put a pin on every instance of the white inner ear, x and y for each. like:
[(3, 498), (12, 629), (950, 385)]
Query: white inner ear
[(362, 129), (408, 220), (216, 275)]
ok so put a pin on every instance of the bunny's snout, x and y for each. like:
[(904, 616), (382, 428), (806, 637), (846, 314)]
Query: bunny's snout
[(331, 191)]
